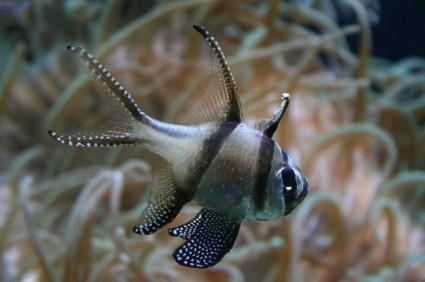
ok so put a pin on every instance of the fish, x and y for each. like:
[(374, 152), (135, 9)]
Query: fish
[(234, 171)]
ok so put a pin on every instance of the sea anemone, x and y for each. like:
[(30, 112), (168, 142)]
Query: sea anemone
[(355, 125)]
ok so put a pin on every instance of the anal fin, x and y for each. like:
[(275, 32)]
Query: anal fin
[(210, 235), (165, 201)]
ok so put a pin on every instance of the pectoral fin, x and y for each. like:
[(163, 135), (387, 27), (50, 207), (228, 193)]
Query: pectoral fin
[(269, 126), (165, 201), (210, 235)]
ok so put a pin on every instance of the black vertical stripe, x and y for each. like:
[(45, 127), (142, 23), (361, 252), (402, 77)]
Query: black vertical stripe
[(284, 156), (264, 163), (210, 149)]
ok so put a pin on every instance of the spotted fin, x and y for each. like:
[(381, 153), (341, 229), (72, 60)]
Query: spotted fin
[(108, 81), (101, 140), (223, 105), (165, 201), (269, 126), (123, 115), (210, 235)]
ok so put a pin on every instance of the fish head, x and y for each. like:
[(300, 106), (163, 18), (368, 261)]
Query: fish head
[(288, 186)]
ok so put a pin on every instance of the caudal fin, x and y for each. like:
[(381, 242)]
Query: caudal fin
[(102, 140), (110, 134)]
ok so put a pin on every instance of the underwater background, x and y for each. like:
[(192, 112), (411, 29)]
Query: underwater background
[(356, 126)]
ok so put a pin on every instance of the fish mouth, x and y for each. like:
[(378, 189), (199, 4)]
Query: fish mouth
[(304, 192), (301, 197)]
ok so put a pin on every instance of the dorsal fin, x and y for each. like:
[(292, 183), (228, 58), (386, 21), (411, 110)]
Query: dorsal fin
[(223, 105), (269, 126)]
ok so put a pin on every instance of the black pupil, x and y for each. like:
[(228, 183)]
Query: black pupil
[(288, 178)]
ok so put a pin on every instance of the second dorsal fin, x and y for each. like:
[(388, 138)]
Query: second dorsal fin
[(223, 104)]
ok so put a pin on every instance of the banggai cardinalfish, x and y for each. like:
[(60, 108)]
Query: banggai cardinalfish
[(235, 172)]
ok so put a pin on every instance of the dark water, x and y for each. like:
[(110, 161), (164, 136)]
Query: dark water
[(401, 30)]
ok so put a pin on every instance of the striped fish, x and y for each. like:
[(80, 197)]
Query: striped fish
[(235, 172)]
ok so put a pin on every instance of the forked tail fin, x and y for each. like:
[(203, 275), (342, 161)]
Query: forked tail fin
[(101, 74), (133, 116), (102, 140), (130, 126)]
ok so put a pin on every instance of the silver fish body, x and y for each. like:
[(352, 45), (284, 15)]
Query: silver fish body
[(235, 181), (235, 172)]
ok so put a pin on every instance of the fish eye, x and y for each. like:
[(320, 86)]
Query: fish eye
[(289, 188), (289, 182)]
